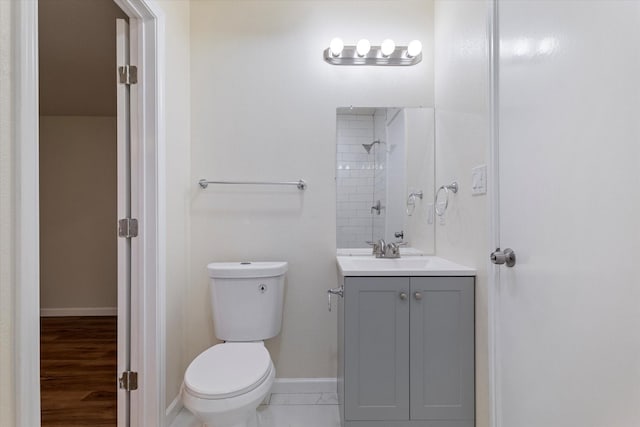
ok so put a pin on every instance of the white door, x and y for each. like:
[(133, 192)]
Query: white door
[(568, 313), (124, 211)]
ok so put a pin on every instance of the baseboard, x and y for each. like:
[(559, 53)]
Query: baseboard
[(304, 385), (79, 311), (173, 410)]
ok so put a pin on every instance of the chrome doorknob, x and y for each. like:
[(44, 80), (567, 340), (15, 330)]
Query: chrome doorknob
[(508, 257), (417, 296), (403, 296)]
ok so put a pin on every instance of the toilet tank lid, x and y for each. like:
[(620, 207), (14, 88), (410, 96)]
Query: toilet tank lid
[(228, 270)]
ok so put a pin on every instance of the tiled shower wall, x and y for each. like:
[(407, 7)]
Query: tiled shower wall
[(380, 180), (355, 180)]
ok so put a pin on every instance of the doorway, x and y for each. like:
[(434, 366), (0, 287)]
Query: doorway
[(148, 282), (79, 197)]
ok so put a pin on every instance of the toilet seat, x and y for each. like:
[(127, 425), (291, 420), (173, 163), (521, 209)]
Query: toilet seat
[(228, 370)]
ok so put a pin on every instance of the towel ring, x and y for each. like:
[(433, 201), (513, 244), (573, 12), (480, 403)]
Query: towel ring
[(453, 188), (411, 201)]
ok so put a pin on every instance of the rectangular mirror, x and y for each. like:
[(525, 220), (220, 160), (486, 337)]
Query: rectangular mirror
[(385, 174)]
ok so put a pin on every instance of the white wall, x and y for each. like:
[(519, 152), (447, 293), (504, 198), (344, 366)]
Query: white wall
[(80, 36), (78, 196), (263, 107), (178, 184), (77, 149), (420, 232), (462, 126), (7, 209)]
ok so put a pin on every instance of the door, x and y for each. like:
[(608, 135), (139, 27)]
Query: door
[(568, 313), (442, 349), (124, 211), (376, 348)]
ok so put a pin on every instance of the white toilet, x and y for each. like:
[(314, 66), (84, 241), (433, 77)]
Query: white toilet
[(224, 385)]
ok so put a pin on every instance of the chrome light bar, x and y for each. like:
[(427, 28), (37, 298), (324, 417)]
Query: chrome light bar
[(349, 56)]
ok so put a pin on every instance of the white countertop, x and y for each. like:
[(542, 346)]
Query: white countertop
[(406, 265)]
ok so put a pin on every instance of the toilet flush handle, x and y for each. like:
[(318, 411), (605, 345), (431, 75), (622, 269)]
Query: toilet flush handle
[(335, 291)]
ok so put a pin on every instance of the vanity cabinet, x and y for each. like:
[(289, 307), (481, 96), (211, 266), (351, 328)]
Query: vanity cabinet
[(407, 352)]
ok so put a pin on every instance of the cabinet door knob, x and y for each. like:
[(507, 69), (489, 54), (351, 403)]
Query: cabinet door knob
[(403, 296), (417, 296)]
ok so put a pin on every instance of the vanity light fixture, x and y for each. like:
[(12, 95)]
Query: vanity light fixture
[(363, 53)]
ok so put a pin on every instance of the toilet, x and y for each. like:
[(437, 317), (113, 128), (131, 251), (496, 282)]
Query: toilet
[(224, 384)]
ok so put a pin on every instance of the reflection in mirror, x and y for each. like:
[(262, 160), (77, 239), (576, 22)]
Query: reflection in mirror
[(385, 161)]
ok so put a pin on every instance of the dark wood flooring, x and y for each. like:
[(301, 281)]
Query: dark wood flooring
[(78, 371)]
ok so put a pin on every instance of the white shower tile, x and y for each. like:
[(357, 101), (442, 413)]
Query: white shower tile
[(356, 132)]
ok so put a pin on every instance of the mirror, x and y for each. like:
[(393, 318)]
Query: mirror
[(385, 173)]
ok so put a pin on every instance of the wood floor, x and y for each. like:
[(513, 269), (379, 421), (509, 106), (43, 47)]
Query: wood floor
[(78, 371)]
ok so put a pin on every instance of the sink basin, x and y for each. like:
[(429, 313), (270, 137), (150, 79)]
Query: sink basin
[(407, 266)]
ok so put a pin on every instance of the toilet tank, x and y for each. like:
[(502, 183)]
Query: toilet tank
[(246, 298)]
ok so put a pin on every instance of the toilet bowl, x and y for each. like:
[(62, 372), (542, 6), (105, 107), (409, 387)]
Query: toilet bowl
[(224, 384)]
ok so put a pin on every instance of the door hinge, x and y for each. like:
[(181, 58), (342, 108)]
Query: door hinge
[(128, 381), (128, 228), (128, 74)]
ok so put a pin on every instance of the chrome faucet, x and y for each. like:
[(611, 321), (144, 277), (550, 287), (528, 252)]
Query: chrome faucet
[(392, 250), (378, 248), (381, 249)]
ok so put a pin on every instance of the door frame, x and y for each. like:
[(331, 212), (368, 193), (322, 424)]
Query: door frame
[(148, 164), (493, 275)]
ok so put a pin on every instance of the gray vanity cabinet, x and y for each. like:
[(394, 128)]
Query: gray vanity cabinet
[(408, 351), (376, 333), (442, 350)]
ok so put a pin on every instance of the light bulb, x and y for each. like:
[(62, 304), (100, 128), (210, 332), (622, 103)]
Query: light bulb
[(336, 46), (414, 48), (387, 47), (363, 47)]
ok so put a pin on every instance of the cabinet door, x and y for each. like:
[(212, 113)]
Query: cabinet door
[(442, 348), (376, 344)]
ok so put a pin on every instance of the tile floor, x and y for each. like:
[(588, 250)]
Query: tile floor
[(287, 410)]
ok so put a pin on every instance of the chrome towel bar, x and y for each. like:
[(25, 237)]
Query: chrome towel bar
[(301, 183)]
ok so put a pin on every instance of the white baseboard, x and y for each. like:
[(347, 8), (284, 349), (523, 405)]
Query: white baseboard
[(304, 385), (79, 311), (173, 410)]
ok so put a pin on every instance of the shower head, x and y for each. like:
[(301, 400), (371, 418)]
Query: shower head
[(369, 146)]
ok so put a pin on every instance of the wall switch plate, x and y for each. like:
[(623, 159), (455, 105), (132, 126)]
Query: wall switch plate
[(479, 180)]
